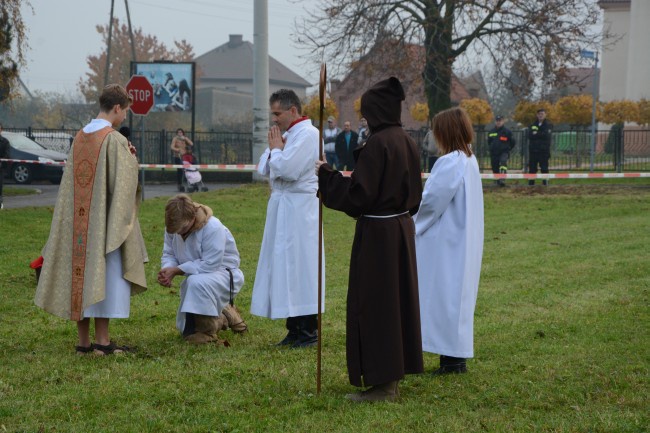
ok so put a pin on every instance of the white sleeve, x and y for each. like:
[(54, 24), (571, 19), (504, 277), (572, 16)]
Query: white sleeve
[(168, 257), (439, 190), (263, 165)]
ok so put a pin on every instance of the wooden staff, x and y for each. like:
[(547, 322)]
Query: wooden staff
[(321, 94)]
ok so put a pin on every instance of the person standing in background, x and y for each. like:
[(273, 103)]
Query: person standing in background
[(431, 148), (500, 142), (329, 139), (346, 142), (364, 132), (179, 145), (539, 145)]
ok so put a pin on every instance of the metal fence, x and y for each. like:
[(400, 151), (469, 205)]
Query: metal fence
[(616, 149)]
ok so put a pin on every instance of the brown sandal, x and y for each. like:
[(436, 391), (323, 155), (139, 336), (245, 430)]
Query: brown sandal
[(81, 350), (110, 349)]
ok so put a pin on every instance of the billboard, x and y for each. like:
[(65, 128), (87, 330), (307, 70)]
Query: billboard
[(173, 85)]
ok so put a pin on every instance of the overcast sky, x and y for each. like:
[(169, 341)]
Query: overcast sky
[(62, 33)]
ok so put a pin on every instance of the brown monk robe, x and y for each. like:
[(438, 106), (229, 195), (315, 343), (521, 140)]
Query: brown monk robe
[(383, 314)]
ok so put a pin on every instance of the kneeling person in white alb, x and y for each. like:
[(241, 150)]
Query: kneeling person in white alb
[(200, 247)]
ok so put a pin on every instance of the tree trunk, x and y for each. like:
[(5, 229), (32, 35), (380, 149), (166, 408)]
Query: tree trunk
[(438, 61)]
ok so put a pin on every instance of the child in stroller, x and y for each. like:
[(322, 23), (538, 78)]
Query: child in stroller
[(192, 180)]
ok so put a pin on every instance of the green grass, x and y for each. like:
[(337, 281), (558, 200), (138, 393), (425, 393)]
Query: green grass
[(561, 334), (8, 191)]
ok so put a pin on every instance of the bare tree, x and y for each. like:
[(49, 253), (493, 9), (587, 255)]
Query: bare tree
[(545, 36)]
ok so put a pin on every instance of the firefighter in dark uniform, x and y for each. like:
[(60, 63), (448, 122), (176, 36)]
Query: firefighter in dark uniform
[(539, 145), (500, 142)]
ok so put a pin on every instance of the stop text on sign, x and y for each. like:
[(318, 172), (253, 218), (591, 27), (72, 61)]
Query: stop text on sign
[(140, 95)]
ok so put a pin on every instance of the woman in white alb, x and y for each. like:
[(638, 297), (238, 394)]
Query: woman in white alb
[(449, 244), (198, 246)]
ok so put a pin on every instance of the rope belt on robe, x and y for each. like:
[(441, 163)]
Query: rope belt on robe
[(385, 216)]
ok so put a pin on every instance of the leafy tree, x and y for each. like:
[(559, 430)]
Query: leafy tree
[(643, 117), (526, 111), (542, 35), (479, 111), (575, 110), (147, 49), (619, 112), (420, 112), (357, 107), (13, 44), (312, 108), (616, 113)]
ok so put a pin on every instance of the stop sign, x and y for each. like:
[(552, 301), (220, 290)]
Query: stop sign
[(140, 89)]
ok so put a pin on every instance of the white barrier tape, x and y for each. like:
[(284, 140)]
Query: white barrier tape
[(238, 167), (560, 175), (235, 167), (31, 161), (253, 167)]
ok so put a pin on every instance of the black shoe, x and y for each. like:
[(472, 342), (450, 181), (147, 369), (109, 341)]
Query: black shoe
[(306, 340), (531, 182), (450, 365), (307, 327), (289, 340), (450, 369)]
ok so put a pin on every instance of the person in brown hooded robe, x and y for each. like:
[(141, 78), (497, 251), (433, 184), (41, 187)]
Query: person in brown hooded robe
[(383, 340)]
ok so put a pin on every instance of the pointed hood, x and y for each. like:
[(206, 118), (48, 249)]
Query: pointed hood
[(381, 105)]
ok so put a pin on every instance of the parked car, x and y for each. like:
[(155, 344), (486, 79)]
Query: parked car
[(26, 149), (53, 140)]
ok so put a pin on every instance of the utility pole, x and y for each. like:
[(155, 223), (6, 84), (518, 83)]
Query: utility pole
[(260, 79), (108, 47), (128, 18), (594, 96)]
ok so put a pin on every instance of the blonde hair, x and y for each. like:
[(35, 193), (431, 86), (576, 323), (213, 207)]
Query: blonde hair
[(453, 131), (179, 210)]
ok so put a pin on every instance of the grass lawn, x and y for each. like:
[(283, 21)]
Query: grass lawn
[(562, 333), (8, 191)]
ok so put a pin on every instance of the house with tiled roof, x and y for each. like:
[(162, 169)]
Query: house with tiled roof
[(575, 81), (224, 87), (405, 63)]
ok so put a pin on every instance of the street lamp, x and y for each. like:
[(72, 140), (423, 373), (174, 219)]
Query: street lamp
[(586, 54)]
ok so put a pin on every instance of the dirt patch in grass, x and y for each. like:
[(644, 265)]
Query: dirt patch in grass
[(568, 190)]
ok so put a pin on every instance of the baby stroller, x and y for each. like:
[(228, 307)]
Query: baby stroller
[(192, 180)]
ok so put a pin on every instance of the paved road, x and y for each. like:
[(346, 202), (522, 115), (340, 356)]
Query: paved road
[(47, 192)]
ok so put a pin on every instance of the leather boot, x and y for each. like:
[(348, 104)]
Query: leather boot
[(307, 332), (384, 392), (235, 321), (206, 329), (449, 364), (189, 328), (292, 335)]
